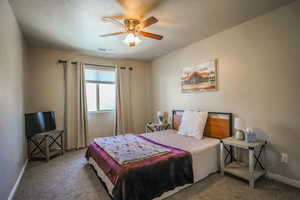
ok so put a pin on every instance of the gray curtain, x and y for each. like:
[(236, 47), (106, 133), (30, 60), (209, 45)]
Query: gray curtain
[(124, 122), (76, 126)]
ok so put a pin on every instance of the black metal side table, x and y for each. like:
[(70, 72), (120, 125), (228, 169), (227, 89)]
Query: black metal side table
[(44, 146)]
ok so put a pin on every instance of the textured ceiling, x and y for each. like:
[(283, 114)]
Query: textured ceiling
[(76, 24)]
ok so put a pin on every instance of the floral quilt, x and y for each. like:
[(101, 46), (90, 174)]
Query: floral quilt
[(129, 148)]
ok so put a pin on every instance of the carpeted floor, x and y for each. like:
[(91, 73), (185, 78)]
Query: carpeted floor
[(69, 177)]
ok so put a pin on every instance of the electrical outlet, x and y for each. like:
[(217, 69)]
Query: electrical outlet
[(284, 158)]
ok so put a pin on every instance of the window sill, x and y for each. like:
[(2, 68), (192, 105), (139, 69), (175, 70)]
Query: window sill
[(101, 112)]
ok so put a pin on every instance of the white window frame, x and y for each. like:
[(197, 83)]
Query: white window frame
[(97, 89)]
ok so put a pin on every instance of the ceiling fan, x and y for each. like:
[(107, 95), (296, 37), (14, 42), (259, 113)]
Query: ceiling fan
[(133, 28)]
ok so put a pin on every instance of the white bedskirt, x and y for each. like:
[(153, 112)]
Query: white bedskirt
[(205, 156)]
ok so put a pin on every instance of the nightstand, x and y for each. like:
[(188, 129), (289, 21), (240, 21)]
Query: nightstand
[(152, 127), (251, 171)]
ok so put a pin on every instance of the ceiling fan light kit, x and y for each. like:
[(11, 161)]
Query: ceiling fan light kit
[(132, 40), (134, 27)]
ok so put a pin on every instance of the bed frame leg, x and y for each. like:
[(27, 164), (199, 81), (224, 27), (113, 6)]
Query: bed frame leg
[(123, 190)]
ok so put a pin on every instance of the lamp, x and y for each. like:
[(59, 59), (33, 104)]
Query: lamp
[(239, 127), (160, 117), (132, 40)]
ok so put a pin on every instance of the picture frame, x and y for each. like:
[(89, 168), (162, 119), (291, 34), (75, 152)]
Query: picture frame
[(200, 77)]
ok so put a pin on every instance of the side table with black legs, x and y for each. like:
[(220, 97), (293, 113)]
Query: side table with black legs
[(251, 171), (152, 127), (45, 145)]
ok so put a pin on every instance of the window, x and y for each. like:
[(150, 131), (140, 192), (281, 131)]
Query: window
[(100, 89)]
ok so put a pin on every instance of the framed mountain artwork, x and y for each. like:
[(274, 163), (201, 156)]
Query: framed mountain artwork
[(200, 77)]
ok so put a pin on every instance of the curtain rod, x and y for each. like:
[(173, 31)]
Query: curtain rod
[(73, 62)]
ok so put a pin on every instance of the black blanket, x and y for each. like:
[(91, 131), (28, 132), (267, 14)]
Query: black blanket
[(151, 181)]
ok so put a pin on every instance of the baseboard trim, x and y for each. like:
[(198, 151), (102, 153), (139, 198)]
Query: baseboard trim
[(14, 189), (283, 179)]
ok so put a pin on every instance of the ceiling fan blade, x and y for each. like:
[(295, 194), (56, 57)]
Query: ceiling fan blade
[(113, 20), (151, 35), (119, 17), (112, 34), (148, 22)]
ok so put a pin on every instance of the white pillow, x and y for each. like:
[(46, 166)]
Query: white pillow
[(193, 124)]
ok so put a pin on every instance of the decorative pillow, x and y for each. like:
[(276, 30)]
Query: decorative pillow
[(193, 124)]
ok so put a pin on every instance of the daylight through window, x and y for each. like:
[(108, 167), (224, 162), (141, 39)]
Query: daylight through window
[(100, 89)]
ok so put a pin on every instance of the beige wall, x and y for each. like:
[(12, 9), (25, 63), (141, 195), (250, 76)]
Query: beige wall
[(258, 80), (46, 89), (12, 136)]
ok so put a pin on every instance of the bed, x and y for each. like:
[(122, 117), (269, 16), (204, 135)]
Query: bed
[(187, 161)]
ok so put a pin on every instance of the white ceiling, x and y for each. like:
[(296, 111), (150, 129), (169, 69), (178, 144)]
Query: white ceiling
[(76, 24)]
